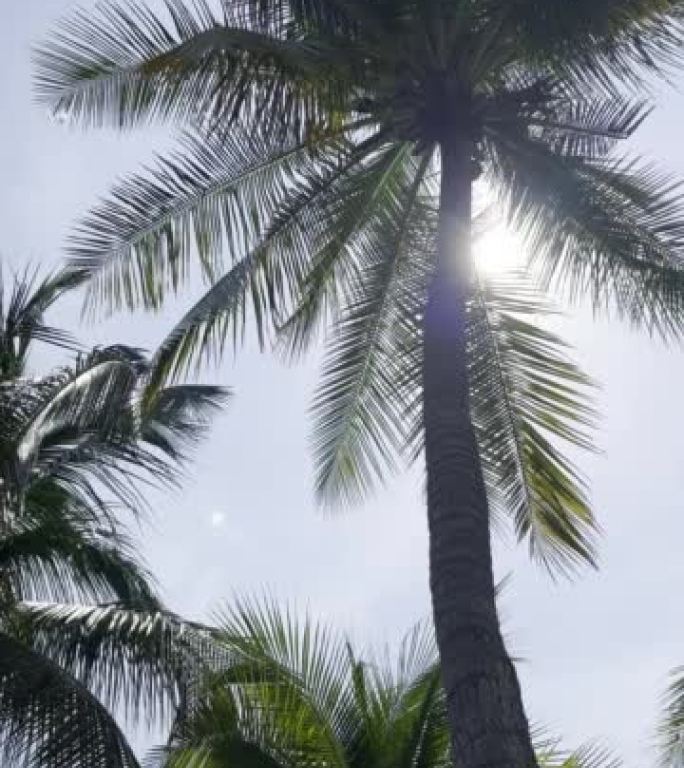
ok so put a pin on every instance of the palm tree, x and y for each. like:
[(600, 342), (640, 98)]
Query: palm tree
[(82, 631), (332, 149), (291, 693)]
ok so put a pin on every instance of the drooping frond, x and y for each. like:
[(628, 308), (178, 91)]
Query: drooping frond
[(359, 418), (61, 556), (610, 43), (124, 64), (174, 417), (86, 399), (22, 311), (133, 656), (270, 251), (671, 725), (49, 720), (559, 115), (530, 405), (92, 428), (606, 230), (216, 194)]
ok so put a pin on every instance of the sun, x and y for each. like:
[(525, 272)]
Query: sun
[(498, 250)]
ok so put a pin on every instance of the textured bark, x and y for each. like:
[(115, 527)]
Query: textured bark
[(488, 722)]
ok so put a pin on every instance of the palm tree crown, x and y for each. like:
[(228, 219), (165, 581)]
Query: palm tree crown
[(311, 160), (81, 626)]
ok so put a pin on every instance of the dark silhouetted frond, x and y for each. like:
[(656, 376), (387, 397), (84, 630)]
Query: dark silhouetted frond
[(134, 656), (49, 720)]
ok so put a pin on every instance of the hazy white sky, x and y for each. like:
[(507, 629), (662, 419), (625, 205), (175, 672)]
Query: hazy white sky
[(597, 651)]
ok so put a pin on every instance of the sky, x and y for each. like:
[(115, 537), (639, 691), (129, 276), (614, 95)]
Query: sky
[(596, 652)]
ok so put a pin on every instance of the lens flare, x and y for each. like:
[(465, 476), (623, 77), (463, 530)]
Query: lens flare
[(498, 250)]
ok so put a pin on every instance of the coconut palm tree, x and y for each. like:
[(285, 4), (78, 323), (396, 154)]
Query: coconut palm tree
[(333, 149), (291, 693), (82, 631)]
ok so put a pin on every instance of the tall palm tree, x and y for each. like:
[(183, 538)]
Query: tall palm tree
[(332, 151), (82, 631), (291, 693)]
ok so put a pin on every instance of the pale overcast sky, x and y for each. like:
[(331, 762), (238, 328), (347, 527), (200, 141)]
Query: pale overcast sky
[(597, 650)]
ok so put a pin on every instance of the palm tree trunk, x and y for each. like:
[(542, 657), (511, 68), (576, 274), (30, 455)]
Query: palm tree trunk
[(488, 723)]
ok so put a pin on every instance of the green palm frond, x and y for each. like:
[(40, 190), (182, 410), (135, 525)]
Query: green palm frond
[(271, 252), (279, 697), (60, 556), (49, 720), (294, 693), (134, 656), (93, 427), (671, 725), (123, 65), (569, 124), (76, 428), (530, 405), (22, 311), (529, 402), (611, 44), (608, 230), (217, 193), (591, 755), (177, 416), (74, 401), (357, 431), (276, 641), (291, 691)]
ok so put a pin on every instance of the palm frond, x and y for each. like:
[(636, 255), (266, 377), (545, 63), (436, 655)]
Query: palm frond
[(134, 656), (75, 400), (269, 265), (591, 755), (562, 116), (22, 311), (96, 426), (608, 230), (274, 642), (671, 725), (219, 194), (61, 556), (590, 128), (612, 44), (358, 424), (530, 404), (174, 417), (213, 193), (124, 64), (419, 733), (49, 720), (76, 428)]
